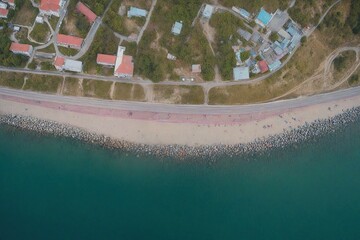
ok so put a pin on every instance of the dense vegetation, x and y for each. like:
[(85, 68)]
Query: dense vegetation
[(354, 16), (225, 25), (114, 20)]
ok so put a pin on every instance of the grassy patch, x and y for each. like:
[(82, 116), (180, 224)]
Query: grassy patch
[(97, 89), (48, 49), (129, 92), (41, 83), (72, 87), (68, 51), (27, 13), (53, 20), (12, 80), (40, 32), (179, 94)]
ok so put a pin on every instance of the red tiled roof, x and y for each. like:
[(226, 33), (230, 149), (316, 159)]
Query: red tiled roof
[(263, 66), (50, 5), (59, 61), (4, 12), (18, 47), (126, 66), (69, 40), (106, 59), (90, 15)]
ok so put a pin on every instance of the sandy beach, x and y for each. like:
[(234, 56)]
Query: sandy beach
[(175, 128)]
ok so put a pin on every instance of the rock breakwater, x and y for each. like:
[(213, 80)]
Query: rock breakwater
[(308, 131)]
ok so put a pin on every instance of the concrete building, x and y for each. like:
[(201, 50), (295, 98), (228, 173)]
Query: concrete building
[(23, 49), (244, 34), (69, 41), (3, 5), (39, 19), (263, 18), (176, 28), (278, 20), (136, 12), (208, 11), (124, 66), (73, 66), (50, 7), (241, 73), (90, 15), (196, 68), (11, 3), (242, 12)]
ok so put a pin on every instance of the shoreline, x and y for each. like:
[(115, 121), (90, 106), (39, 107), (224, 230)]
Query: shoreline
[(202, 126), (179, 134), (306, 133)]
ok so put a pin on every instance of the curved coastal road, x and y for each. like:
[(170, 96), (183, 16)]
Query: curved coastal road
[(185, 109)]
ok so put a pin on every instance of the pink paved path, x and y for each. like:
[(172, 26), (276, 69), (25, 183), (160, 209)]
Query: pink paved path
[(223, 119)]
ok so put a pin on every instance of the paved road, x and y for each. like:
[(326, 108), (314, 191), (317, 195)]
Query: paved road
[(88, 40), (153, 4), (187, 109)]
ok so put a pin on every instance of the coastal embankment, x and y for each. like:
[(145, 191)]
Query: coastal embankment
[(230, 131)]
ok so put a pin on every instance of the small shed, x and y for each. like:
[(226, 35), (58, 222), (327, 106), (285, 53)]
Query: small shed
[(176, 28), (196, 68)]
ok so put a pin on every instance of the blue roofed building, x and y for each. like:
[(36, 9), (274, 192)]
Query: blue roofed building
[(176, 28), (241, 73), (263, 18), (136, 12), (275, 65)]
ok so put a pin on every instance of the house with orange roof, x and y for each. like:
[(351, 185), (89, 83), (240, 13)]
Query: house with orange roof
[(263, 66), (24, 49), (50, 7), (69, 41), (124, 66), (59, 63), (4, 13), (82, 8), (106, 60)]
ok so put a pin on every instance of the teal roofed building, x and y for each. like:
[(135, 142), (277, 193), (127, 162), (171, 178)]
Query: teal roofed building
[(275, 65), (263, 18), (241, 73), (136, 12)]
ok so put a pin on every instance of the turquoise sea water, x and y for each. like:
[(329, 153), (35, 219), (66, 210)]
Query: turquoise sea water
[(56, 188)]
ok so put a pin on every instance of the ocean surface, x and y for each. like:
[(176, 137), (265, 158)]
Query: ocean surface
[(57, 188)]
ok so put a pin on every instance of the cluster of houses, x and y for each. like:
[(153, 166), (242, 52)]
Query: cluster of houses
[(123, 64), (264, 51)]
